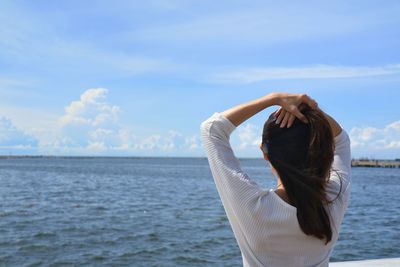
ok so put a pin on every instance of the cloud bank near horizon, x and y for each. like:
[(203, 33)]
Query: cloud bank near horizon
[(91, 125)]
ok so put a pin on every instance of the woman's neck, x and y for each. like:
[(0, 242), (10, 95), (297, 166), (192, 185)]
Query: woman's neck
[(280, 191), (279, 184)]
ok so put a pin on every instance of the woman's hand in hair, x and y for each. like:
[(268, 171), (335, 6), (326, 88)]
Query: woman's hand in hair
[(289, 110)]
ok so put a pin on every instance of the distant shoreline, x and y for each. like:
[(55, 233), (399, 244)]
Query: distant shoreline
[(372, 163)]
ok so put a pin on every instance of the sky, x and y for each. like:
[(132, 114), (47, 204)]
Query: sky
[(137, 78)]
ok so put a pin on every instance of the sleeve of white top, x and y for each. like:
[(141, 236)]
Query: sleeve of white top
[(234, 186), (342, 158)]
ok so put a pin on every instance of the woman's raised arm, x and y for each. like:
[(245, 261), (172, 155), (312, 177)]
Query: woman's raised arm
[(336, 129), (288, 102)]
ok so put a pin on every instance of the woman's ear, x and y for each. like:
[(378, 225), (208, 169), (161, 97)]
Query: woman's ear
[(264, 154)]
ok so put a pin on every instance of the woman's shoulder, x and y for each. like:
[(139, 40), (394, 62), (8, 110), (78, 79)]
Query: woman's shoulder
[(338, 187)]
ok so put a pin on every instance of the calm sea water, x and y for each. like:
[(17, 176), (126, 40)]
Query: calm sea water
[(158, 212)]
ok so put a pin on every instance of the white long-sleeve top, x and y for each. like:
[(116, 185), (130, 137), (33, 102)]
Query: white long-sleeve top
[(265, 226)]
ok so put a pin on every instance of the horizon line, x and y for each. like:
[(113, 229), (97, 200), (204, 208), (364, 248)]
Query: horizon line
[(150, 157)]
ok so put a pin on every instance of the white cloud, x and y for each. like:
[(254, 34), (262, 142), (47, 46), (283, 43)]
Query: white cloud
[(192, 142), (150, 142), (172, 141), (100, 133), (249, 136), (12, 138), (90, 109), (39, 123), (127, 140), (96, 147), (91, 125), (376, 139), (252, 75)]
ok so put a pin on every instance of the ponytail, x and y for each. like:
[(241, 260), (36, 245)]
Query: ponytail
[(302, 156)]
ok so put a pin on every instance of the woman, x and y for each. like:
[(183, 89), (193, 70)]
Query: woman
[(296, 224)]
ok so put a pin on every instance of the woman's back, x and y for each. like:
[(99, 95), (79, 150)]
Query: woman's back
[(265, 226), (277, 236)]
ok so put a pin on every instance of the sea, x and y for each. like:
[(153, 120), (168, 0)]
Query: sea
[(74, 211)]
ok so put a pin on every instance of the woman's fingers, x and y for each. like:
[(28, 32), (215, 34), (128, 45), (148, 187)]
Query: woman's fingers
[(278, 112), (299, 115), (291, 120), (285, 119), (280, 116), (289, 110)]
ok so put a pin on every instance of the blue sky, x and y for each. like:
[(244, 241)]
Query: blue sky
[(136, 78)]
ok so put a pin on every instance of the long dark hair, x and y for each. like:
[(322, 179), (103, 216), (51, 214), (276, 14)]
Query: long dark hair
[(302, 155)]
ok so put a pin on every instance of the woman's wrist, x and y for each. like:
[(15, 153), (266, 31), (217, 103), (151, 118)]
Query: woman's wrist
[(274, 98)]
